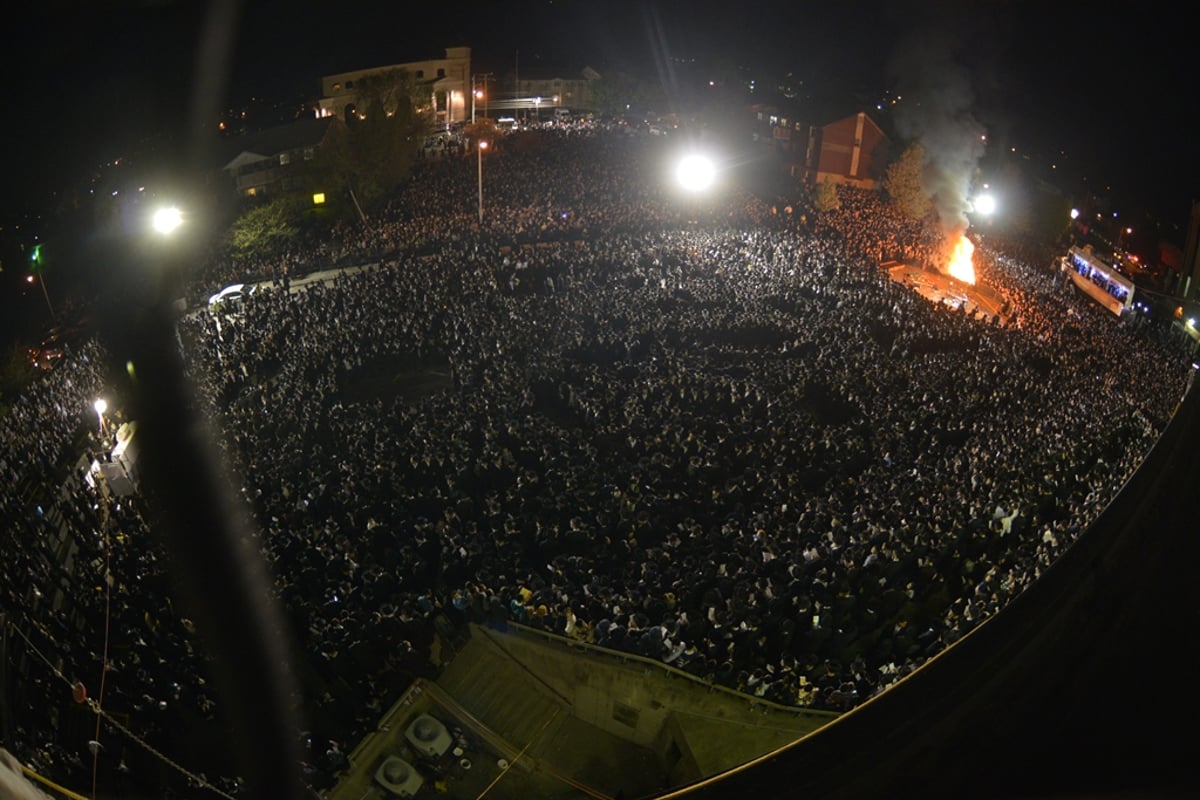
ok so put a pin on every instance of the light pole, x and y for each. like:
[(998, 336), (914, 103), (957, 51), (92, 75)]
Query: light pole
[(1121, 236), (695, 173), (101, 406), (479, 94), (40, 269), (167, 220), (483, 145), (42, 282)]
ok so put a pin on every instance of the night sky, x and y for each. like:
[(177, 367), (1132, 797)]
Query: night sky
[(1103, 97)]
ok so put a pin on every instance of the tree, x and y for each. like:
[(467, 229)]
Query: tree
[(618, 93), (826, 198), (373, 152), (902, 182), (266, 229), (483, 129)]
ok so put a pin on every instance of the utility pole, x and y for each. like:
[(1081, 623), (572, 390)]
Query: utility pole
[(361, 215), (485, 76)]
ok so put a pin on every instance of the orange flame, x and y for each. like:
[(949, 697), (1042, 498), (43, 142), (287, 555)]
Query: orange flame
[(960, 266)]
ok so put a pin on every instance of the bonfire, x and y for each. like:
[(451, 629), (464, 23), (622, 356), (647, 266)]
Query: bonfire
[(960, 266)]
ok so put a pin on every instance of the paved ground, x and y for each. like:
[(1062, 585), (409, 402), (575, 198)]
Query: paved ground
[(976, 300)]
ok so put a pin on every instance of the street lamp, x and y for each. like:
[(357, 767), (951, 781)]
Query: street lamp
[(695, 173), (42, 282), (167, 220), (101, 405), (1121, 236), (985, 204), (483, 145), (39, 269)]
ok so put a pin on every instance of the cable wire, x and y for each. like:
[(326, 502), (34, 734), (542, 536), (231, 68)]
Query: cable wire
[(200, 781)]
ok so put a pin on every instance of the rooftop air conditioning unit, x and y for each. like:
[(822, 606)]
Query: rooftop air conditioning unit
[(428, 736), (399, 777)]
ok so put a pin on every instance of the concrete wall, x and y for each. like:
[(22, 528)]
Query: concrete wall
[(693, 728)]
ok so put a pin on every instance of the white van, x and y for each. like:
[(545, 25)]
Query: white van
[(229, 300)]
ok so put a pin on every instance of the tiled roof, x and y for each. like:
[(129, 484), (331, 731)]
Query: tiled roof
[(273, 141)]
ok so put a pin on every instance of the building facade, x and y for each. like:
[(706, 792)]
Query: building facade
[(851, 150), (541, 93), (276, 160), (447, 81)]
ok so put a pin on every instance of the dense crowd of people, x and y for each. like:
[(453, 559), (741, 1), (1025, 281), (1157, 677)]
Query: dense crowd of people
[(706, 430)]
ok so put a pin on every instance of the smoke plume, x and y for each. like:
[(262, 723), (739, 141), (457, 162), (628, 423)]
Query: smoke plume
[(935, 110)]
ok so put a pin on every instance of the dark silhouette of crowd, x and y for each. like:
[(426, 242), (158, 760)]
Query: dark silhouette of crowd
[(706, 430)]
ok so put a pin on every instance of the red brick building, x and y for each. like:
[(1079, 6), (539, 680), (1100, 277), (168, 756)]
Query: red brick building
[(852, 150)]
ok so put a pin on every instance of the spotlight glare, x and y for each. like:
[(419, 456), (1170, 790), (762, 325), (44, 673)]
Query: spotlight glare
[(166, 220), (695, 173), (985, 204)]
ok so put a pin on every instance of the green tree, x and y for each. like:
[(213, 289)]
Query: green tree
[(267, 228), (618, 93), (482, 129), (902, 182), (373, 152), (826, 197)]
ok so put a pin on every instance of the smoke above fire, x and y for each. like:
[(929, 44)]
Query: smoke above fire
[(934, 109)]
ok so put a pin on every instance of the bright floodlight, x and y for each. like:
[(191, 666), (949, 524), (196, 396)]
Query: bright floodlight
[(695, 173), (100, 405), (985, 204), (166, 220)]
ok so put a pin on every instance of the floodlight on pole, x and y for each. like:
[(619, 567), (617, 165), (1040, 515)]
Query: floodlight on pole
[(38, 273), (476, 95), (100, 405), (167, 220), (695, 173), (41, 280)]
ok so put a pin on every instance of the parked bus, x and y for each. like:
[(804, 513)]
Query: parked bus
[(1098, 279)]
